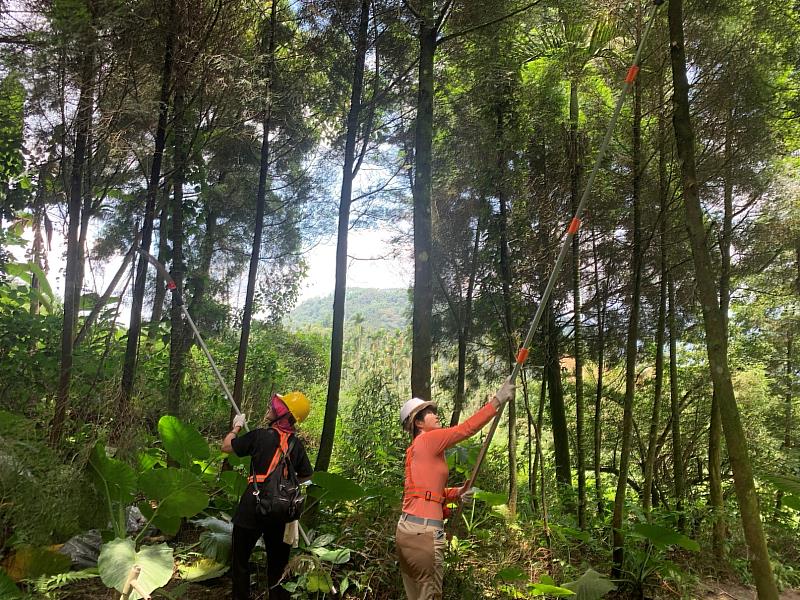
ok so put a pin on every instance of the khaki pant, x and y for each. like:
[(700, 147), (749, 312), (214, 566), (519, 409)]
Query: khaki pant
[(421, 552)]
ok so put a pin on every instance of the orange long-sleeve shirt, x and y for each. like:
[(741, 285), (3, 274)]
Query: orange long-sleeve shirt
[(426, 467)]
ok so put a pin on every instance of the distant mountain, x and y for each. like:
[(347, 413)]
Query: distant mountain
[(379, 309)]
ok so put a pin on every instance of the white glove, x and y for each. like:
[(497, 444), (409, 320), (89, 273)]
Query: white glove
[(506, 391), (239, 421), (467, 495)]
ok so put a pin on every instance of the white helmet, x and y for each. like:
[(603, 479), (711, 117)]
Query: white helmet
[(410, 409)]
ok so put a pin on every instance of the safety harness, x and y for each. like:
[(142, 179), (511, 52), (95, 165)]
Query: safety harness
[(283, 448), (418, 492)]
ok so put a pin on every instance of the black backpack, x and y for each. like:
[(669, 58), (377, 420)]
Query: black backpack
[(279, 498)]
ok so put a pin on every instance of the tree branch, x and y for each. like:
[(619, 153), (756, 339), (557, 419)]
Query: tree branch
[(463, 32)]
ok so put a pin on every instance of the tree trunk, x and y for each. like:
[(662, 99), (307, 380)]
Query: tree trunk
[(713, 318), (598, 398), (73, 269), (135, 326), (178, 270), (537, 463), (716, 497), (464, 331), (576, 169), (558, 414), (340, 286), (160, 293), (652, 438), (261, 200), (632, 335), (508, 319), (423, 140), (678, 469)]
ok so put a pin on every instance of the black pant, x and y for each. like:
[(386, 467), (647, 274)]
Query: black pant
[(244, 540)]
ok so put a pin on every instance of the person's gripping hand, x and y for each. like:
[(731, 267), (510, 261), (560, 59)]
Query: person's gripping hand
[(239, 421), (506, 391)]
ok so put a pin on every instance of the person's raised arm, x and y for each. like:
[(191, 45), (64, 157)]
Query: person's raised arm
[(440, 440)]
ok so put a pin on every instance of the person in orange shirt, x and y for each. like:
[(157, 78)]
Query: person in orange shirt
[(420, 537)]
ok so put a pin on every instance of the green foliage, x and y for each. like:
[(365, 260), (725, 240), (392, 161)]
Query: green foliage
[(46, 584), (8, 589), (335, 488), (590, 586), (117, 557), (182, 441), (216, 539), (30, 469), (115, 482)]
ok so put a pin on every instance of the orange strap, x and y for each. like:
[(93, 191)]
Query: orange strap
[(416, 492), (282, 449)]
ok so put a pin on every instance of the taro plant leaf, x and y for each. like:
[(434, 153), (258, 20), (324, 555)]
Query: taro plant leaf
[(338, 556), (182, 441), (31, 562), (8, 589), (233, 482), (115, 481), (590, 586), (177, 492), (118, 556), (785, 483), (490, 498), (215, 540), (168, 525), (545, 589), (202, 570), (335, 487), (663, 536)]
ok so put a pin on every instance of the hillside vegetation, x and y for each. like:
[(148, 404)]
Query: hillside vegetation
[(373, 308)]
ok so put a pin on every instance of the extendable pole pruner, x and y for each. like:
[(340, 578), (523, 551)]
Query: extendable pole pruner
[(177, 297), (572, 229)]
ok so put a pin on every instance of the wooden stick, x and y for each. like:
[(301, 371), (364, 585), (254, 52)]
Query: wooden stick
[(133, 575)]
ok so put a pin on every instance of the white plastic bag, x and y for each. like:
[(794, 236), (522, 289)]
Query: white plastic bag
[(291, 533)]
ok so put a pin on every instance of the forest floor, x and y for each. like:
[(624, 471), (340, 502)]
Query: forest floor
[(718, 590), (220, 588)]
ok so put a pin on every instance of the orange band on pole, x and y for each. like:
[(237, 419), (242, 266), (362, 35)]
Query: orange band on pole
[(522, 355), (574, 225), (632, 73), (171, 285)]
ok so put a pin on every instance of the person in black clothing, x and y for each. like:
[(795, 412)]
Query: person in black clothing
[(261, 445)]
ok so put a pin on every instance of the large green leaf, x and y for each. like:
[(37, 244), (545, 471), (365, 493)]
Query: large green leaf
[(177, 492), (165, 524), (590, 586), (785, 483), (233, 482), (182, 441), (118, 556), (8, 589), (663, 536), (115, 480), (335, 487), (215, 541), (490, 498)]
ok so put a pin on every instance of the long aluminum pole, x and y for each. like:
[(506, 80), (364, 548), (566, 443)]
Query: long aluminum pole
[(570, 233)]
